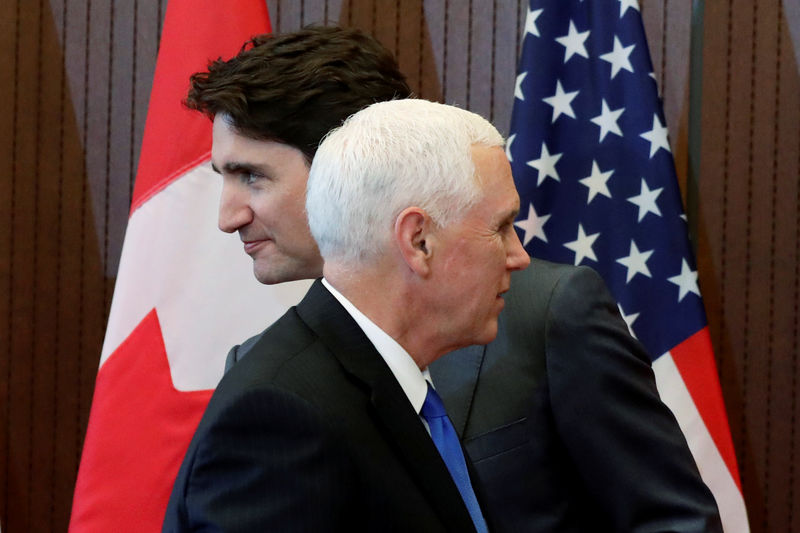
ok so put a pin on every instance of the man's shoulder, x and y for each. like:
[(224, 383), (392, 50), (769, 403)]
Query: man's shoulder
[(284, 334), (240, 350), (546, 290), (543, 273), (536, 284), (262, 354)]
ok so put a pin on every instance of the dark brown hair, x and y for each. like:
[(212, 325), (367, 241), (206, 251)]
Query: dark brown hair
[(294, 88)]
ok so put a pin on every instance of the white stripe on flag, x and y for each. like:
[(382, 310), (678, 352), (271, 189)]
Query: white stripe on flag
[(712, 467)]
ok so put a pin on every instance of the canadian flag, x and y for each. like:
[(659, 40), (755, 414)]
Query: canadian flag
[(185, 291)]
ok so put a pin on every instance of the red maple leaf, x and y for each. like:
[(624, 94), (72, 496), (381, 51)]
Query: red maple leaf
[(139, 429)]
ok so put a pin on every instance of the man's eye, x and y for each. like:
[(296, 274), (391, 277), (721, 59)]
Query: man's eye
[(249, 178)]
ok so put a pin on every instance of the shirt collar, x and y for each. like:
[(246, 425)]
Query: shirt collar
[(412, 380)]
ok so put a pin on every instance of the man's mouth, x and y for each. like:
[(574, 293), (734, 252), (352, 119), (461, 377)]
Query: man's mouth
[(252, 246)]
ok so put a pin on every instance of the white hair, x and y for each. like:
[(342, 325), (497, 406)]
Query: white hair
[(385, 158)]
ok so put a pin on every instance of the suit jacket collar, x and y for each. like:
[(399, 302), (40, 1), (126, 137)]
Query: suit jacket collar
[(397, 418), (456, 376)]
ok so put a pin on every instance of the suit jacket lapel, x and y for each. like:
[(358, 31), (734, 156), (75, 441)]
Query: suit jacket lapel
[(456, 376), (401, 424)]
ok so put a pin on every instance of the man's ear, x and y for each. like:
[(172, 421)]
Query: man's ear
[(412, 228)]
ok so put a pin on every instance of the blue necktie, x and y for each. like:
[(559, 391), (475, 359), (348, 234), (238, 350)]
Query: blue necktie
[(446, 441)]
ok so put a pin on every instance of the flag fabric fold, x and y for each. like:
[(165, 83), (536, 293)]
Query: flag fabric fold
[(593, 165), (185, 292)]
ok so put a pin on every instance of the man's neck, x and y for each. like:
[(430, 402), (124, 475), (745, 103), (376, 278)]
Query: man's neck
[(390, 305)]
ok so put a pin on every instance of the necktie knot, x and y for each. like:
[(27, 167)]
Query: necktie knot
[(433, 407)]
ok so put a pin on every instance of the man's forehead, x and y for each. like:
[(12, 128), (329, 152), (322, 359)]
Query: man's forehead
[(498, 192), (224, 134), (230, 149), (492, 167)]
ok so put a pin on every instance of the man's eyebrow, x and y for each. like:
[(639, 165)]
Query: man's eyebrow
[(235, 167)]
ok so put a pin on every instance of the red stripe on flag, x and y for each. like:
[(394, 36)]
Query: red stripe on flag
[(195, 31), (139, 429), (694, 358)]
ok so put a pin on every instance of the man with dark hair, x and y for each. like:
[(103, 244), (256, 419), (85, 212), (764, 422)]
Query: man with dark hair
[(280, 95), (560, 414)]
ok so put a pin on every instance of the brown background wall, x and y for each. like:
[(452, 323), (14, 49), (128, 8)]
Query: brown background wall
[(75, 81)]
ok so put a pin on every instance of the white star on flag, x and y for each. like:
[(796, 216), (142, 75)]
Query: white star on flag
[(597, 182), (561, 102), (636, 262), (686, 281), (619, 57), (518, 87), (607, 120), (629, 319), (533, 226), (582, 246), (625, 4), (509, 141), (546, 165), (658, 137), (574, 42), (530, 22), (646, 200)]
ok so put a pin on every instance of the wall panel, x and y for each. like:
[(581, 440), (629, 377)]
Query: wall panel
[(72, 114), (24, 197), (749, 248), (45, 162)]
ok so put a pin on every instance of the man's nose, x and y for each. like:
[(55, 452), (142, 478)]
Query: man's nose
[(234, 208), (517, 258)]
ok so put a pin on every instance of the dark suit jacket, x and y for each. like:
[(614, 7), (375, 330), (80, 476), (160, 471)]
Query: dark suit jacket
[(562, 420), (311, 432)]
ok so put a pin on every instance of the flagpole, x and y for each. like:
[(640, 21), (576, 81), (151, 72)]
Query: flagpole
[(695, 120)]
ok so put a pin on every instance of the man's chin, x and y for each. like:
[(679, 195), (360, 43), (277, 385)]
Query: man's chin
[(272, 274), (488, 334), (487, 339), (271, 278)]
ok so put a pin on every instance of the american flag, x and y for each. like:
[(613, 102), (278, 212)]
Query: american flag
[(594, 169)]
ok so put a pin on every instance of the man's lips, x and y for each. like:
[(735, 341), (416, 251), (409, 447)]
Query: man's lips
[(252, 246)]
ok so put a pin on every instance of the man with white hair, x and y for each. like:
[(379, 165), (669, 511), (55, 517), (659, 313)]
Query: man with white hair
[(330, 422)]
